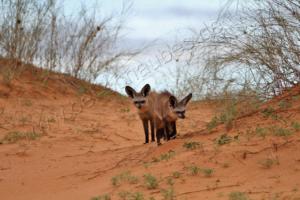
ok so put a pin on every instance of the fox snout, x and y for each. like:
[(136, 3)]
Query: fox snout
[(180, 114)]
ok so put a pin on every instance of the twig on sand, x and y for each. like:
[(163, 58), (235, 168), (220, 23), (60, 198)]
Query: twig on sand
[(209, 189), (273, 146)]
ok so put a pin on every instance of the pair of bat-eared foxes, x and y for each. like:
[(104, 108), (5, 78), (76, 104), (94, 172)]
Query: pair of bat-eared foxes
[(160, 109)]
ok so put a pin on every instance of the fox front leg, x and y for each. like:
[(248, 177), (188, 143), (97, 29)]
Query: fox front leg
[(152, 131), (146, 131)]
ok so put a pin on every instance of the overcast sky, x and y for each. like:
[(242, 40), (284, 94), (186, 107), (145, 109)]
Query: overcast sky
[(153, 20), (149, 20)]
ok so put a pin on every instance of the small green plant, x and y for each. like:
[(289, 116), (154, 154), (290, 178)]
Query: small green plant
[(168, 194), (104, 93), (103, 197), (176, 174), (115, 181), (170, 181), (150, 181), (267, 112), (147, 165), (238, 196), (15, 136), (295, 126), (27, 102), (279, 131), (24, 120), (95, 198), (192, 145), (268, 163), (295, 98), (137, 196), (208, 172), (228, 115), (7, 76), (167, 156), (212, 124), (284, 104), (261, 132), (124, 177), (82, 89), (223, 139), (270, 112), (124, 195), (194, 170)]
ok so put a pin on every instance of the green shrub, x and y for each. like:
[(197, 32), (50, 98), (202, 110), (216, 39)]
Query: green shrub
[(223, 139), (192, 145), (150, 181), (238, 196)]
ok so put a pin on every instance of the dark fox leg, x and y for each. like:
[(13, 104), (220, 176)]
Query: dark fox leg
[(152, 131), (146, 130), (159, 134), (174, 131), (167, 130)]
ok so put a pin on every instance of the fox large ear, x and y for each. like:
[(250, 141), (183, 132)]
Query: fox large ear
[(145, 90), (186, 99), (130, 91), (173, 101)]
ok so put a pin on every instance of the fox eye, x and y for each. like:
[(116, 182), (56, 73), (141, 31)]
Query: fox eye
[(180, 112)]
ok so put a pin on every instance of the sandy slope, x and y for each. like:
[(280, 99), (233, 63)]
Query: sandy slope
[(87, 139)]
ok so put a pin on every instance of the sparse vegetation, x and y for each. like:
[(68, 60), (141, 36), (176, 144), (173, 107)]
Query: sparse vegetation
[(168, 194), (81, 89), (238, 196), (212, 124), (104, 93), (27, 102), (192, 145), (166, 156), (226, 117), (124, 177), (270, 112), (207, 172), (137, 196), (284, 104), (193, 170), (280, 131), (170, 181), (94, 50), (15, 136), (176, 174), (103, 197), (268, 163), (261, 131), (125, 195), (295, 126), (223, 139), (150, 181)]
